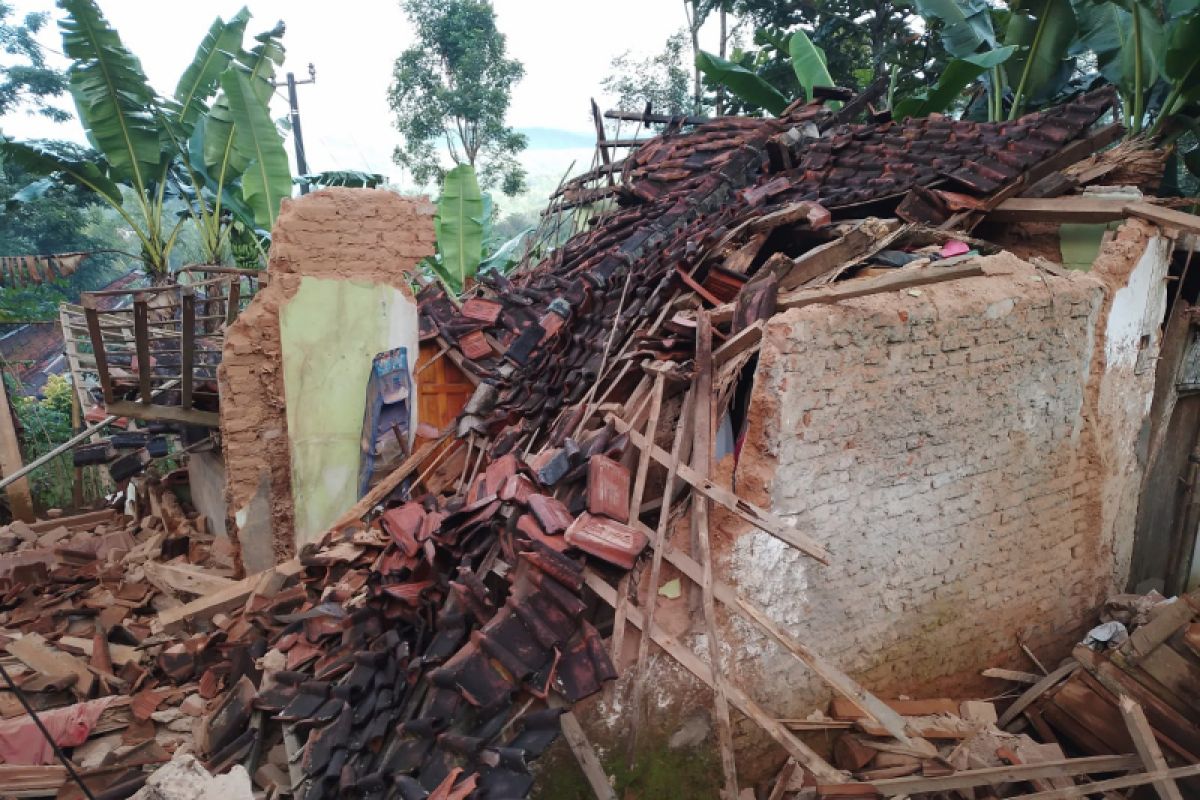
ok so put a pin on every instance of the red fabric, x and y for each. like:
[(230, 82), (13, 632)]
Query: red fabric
[(22, 743)]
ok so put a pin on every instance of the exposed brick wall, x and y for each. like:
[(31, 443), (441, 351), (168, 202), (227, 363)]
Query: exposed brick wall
[(940, 443), (352, 234)]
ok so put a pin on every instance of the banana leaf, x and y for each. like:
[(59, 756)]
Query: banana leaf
[(966, 24), (42, 158), (222, 158), (808, 62), (459, 226), (958, 75), (1181, 63), (748, 87), (1043, 31), (351, 178), (200, 80), (268, 176), (112, 95)]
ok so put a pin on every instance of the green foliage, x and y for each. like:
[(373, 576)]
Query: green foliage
[(61, 219), (1042, 32), (44, 424), (453, 88), (151, 153), (661, 81), (861, 40), (742, 82), (27, 79), (808, 62), (349, 178), (459, 226), (267, 178)]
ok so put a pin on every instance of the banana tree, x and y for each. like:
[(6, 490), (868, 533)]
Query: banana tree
[(145, 145), (807, 62), (459, 226)]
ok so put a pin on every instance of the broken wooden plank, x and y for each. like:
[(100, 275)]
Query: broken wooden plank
[(895, 281), (745, 340), (993, 776), (87, 521), (585, 754), (176, 578), (227, 599), (1036, 691), (1090, 209), (1016, 676), (842, 709), (20, 780), (635, 505), (120, 654), (744, 509), (826, 257), (34, 652), (682, 432), (1061, 209), (1167, 619), (837, 680), (797, 749), (381, 490), (1147, 748), (1126, 782), (702, 462)]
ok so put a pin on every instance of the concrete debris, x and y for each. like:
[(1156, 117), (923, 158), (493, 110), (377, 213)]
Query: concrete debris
[(185, 778)]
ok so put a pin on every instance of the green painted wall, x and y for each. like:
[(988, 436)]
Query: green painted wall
[(331, 330)]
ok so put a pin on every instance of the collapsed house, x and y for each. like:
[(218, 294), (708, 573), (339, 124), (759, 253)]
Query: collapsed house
[(811, 403)]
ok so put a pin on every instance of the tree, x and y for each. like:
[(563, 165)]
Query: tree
[(453, 89), (151, 153), (28, 80), (65, 219), (661, 80), (861, 40)]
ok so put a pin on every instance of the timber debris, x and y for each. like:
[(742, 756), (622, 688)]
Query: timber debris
[(434, 641)]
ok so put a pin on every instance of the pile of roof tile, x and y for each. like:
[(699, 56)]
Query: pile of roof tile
[(539, 341), (430, 651)]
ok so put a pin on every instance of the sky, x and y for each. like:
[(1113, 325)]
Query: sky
[(566, 47)]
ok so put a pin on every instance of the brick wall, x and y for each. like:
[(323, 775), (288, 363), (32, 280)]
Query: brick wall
[(348, 234), (937, 442)]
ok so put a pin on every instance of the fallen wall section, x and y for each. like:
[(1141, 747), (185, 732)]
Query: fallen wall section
[(364, 237)]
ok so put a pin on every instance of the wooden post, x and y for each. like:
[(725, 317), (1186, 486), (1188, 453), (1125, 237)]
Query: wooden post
[(585, 754), (97, 335), (702, 463), (682, 431), (141, 340), (233, 299), (1147, 748), (635, 505), (600, 137), (76, 426), (187, 343), (20, 501)]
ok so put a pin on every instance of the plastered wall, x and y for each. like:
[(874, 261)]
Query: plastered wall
[(356, 235), (968, 452)]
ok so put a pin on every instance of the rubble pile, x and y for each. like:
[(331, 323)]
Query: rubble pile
[(1124, 702), (435, 649)]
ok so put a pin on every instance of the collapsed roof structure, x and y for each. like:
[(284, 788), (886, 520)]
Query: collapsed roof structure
[(436, 649)]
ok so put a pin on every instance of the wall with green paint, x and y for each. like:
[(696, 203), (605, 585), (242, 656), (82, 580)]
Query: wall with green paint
[(330, 331)]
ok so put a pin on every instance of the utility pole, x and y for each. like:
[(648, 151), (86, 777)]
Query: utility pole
[(294, 108)]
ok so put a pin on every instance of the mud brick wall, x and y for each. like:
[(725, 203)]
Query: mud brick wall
[(350, 234), (967, 452)]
